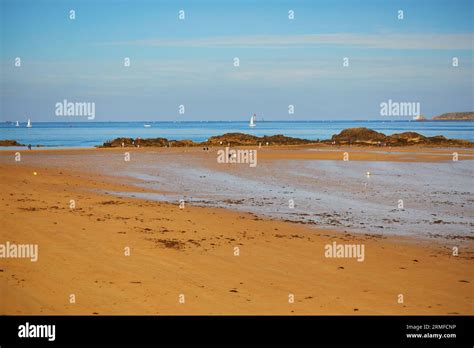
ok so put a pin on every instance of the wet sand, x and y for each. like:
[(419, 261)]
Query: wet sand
[(327, 192), (191, 251)]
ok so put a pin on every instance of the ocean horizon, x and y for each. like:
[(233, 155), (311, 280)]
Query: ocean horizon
[(92, 133)]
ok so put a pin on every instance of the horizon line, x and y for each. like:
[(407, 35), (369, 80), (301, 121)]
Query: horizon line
[(236, 121)]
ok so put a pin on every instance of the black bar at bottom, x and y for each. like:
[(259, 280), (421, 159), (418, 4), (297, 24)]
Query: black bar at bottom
[(133, 330)]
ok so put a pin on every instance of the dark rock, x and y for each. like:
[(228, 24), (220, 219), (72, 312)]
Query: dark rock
[(10, 143), (355, 135), (365, 136)]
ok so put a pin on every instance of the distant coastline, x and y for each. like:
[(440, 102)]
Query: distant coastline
[(455, 116)]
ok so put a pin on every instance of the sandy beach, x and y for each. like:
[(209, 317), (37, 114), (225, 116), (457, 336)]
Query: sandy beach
[(124, 253)]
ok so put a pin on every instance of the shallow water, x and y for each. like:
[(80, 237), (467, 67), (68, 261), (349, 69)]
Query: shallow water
[(437, 197)]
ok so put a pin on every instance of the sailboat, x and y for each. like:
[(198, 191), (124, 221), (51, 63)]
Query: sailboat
[(17, 124), (419, 118), (28, 125), (253, 119), (146, 125)]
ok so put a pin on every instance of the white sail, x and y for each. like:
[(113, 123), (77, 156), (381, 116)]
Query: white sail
[(17, 124), (252, 121), (29, 124), (419, 118)]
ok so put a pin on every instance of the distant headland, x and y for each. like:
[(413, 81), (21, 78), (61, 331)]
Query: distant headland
[(455, 116)]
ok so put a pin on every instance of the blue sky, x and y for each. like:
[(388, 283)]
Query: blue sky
[(190, 62)]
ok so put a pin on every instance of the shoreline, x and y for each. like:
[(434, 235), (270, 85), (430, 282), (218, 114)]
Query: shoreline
[(415, 148)]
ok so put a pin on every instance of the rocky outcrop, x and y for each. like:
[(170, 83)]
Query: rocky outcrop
[(234, 139), (455, 116), (357, 135), (405, 138), (350, 136), (365, 136), (247, 139), (10, 143), (155, 142)]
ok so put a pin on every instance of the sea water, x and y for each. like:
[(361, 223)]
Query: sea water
[(89, 134)]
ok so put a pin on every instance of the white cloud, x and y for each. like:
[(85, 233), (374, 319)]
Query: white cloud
[(381, 41)]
